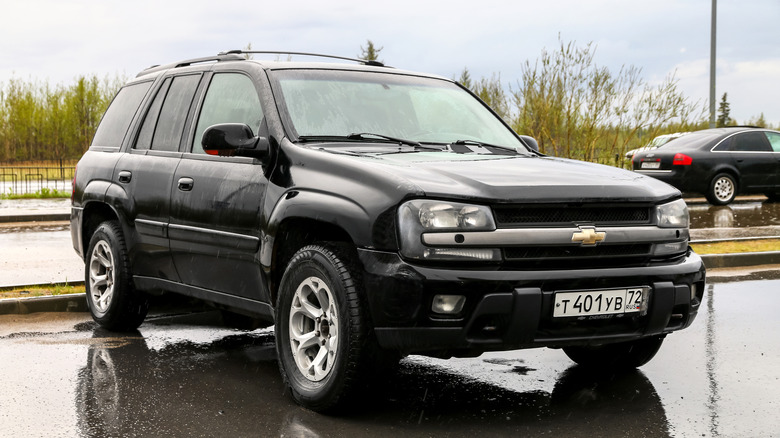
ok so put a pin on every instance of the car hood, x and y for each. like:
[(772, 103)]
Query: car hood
[(493, 178), (523, 178)]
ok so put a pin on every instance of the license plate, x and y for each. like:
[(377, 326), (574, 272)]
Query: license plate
[(601, 302), (651, 164)]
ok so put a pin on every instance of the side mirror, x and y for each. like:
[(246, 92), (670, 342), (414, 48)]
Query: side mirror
[(530, 142), (234, 139)]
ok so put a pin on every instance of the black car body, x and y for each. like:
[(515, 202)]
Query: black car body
[(371, 213), (718, 163)]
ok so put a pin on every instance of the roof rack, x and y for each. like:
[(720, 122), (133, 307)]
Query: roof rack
[(220, 57), (272, 52)]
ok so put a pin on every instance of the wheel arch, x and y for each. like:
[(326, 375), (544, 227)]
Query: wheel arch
[(728, 169), (102, 201), (94, 214), (293, 234)]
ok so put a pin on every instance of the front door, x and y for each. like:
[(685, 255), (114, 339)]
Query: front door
[(215, 201)]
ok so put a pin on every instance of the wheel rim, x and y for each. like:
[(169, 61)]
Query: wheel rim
[(101, 277), (724, 189), (314, 328)]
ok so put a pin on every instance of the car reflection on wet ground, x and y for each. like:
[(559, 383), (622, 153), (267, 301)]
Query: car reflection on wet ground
[(736, 215), (188, 375)]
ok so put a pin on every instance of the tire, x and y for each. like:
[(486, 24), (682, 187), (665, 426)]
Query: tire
[(319, 307), (615, 357), (723, 189), (111, 297)]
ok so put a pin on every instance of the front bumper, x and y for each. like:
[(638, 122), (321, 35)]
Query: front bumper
[(512, 309)]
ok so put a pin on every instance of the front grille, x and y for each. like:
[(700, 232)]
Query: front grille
[(569, 257), (520, 215), (575, 252)]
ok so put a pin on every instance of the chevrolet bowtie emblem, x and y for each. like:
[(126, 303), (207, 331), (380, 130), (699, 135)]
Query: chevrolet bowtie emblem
[(588, 236)]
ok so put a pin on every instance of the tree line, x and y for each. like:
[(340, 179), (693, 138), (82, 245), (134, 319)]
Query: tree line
[(39, 121), (572, 106), (577, 109)]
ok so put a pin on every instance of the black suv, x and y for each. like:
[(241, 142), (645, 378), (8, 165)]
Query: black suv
[(371, 213)]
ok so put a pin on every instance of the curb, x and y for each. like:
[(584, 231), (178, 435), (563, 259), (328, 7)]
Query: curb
[(739, 260), (58, 303)]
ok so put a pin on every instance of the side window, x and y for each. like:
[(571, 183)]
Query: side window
[(774, 140), (231, 98), (144, 140), (750, 142), (164, 122), (116, 120), (725, 145)]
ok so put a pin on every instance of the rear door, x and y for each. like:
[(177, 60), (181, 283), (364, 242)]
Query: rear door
[(146, 173), (216, 201), (753, 157)]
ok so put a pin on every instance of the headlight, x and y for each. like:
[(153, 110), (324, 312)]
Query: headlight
[(672, 215), (422, 216)]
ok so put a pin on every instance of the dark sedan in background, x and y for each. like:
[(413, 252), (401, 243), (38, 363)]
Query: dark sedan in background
[(718, 163)]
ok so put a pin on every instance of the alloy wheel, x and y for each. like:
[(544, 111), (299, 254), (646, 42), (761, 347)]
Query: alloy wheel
[(314, 322), (101, 276)]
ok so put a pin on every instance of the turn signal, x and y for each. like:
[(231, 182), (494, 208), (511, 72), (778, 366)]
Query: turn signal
[(682, 160)]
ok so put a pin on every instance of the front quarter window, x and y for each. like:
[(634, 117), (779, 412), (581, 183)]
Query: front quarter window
[(231, 98)]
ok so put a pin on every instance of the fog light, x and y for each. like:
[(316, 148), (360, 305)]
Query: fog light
[(448, 304), (693, 292)]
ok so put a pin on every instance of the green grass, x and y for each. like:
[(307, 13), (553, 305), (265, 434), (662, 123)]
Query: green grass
[(737, 246), (41, 291), (44, 193)]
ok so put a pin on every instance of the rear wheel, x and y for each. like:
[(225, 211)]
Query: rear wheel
[(322, 338), (624, 355), (111, 297), (723, 189)]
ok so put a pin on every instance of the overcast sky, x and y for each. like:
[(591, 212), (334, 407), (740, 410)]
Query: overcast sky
[(57, 40)]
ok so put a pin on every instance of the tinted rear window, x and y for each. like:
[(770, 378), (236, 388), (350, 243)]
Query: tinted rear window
[(116, 120)]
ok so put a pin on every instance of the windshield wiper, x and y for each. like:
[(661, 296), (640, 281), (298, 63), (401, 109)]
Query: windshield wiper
[(363, 136), (485, 145)]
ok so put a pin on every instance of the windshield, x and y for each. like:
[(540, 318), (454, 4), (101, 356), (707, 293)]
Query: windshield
[(322, 103)]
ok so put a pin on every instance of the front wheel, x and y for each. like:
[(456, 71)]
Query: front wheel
[(111, 297), (321, 328), (624, 355), (723, 189)]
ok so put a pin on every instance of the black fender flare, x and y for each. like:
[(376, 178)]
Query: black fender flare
[(319, 206)]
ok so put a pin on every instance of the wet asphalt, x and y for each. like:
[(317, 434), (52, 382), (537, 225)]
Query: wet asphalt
[(186, 374)]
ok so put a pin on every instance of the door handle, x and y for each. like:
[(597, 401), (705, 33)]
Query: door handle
[(125, 176), (185, 184)]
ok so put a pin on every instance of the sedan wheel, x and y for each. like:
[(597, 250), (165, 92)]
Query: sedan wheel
[(723, 189)]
